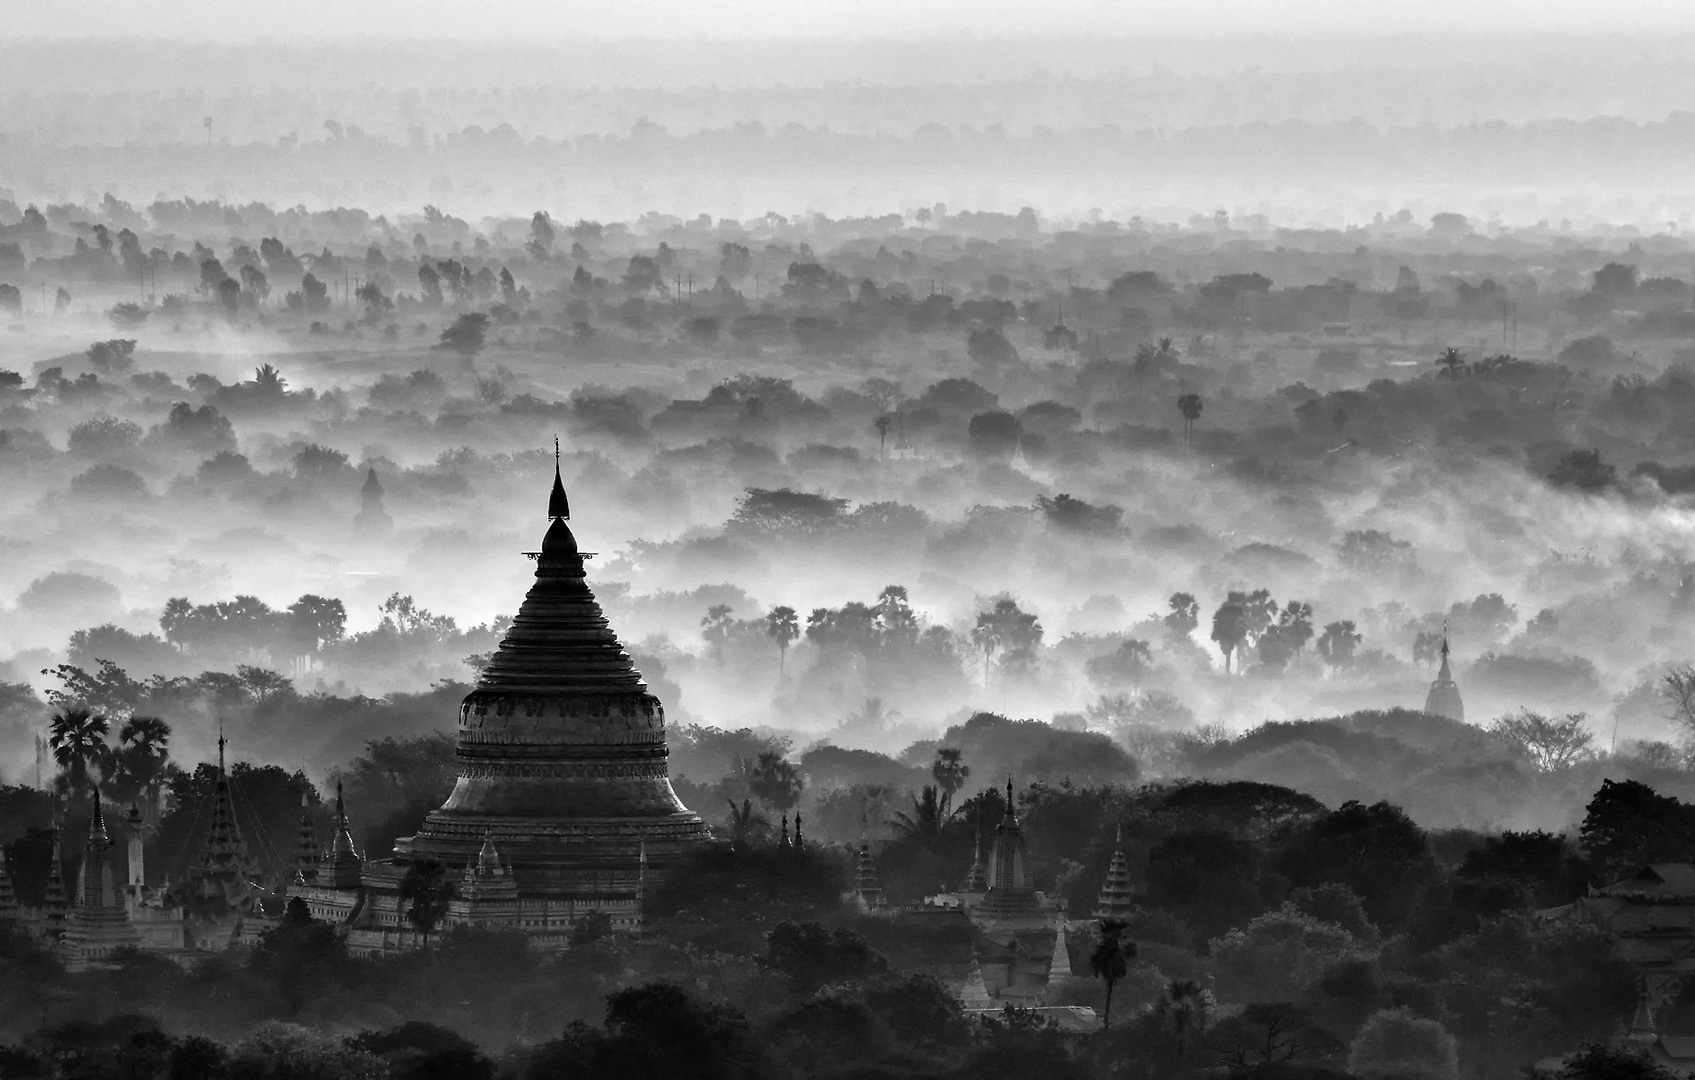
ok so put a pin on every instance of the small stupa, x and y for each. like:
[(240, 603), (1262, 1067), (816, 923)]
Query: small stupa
[(977, 881), (867, 889), (372, 522), (1444, 696), (340, 865), (1059, 965)]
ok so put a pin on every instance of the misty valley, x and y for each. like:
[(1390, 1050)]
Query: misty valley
[(944, 643)]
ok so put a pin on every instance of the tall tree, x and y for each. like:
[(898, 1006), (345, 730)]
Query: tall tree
[(1110, 960), (78, 738), (425, 891), (1185, 1008), (775, 781), (1190, 406), (782, 625), (950, 771)]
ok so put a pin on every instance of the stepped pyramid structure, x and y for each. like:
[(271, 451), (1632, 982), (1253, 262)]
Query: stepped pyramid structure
[(1117, 900), (1444, 696), (372, 522), (99, 921), (226, 877), (562, 766), (1011, 898)]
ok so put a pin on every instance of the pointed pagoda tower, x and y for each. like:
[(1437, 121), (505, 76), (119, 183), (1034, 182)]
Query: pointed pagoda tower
[(56, 906), (372, 522), (306, 845), (1444, 696), (340, 866), (561, 755), (99, 922), (1117, 899), (1011, 897), (1059, 964), (977, 880), (226, 872)]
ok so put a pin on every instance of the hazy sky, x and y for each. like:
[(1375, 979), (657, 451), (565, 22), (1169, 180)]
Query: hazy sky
[(530, 19)]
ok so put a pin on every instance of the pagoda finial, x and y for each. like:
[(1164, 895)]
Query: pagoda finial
[(557, 505), (1009, 795), (220, 748)]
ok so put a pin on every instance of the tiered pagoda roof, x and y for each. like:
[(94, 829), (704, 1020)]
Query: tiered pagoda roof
[(867, 889), (561, 748), (1117, 899), (226, 872)]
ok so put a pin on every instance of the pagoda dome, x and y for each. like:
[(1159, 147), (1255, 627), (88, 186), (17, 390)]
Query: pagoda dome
[(561, 750)]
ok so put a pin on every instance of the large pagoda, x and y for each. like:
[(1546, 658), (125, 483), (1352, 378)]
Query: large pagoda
[(561, 757)]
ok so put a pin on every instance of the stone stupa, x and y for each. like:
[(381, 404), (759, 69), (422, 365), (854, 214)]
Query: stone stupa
[(562, 760)]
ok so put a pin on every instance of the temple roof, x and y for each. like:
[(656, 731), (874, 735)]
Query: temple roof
[(559, 642)]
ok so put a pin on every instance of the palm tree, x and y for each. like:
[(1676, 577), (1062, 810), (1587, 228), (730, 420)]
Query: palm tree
[(784, 626), (929, 813), (143, 756), (1111, 960), (426, 890), (1452, 363), (883, 423), (872, 716), (1185, 1006), (269, 380), (1190, 406), (78, 738), (775, 781), (950, 772), (745, 824)]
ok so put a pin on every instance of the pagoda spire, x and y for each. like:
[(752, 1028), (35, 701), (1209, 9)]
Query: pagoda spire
[(1444, 697), (558, 506), (226, 868), (341, 865), (306, 845), (57, 900), (1011, 894), (798, 842), (785, 843)]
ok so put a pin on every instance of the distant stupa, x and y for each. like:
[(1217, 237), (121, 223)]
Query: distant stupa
[(1444, 696), (372, 521)]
